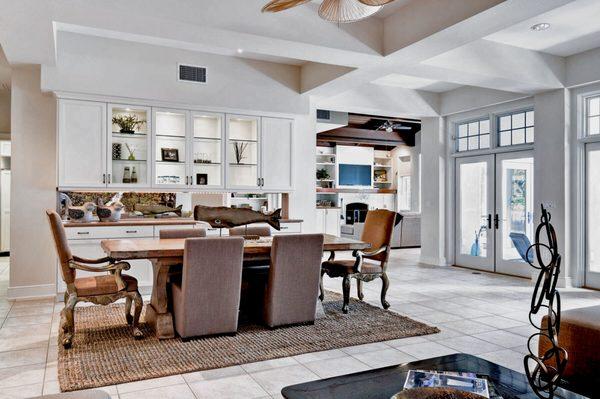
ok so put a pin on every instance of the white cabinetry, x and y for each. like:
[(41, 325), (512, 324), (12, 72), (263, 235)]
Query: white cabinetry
[(82, 144), (328, 221), (277, 154)]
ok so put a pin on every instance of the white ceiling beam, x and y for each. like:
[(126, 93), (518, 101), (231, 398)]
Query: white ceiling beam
[(583, 68), (465, 99)]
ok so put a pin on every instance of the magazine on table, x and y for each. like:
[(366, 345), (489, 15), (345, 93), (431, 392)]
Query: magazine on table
[(463, 381)]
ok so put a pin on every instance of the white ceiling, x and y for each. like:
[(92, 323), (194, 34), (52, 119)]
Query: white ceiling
[(574, 28), (415, 83)]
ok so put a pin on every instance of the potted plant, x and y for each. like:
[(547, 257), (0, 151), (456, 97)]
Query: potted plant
[(322, 174), (127, 123)]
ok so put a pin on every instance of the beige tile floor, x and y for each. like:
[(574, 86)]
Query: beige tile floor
[(482, 314)]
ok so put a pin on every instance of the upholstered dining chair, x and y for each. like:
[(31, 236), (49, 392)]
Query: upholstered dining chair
[(249, 230), (207, 300), (100, 290), (293, 285), (182, 233), (367, 265)]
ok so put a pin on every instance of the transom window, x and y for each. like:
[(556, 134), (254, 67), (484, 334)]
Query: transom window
[(516, 128), (592, 115), (473, 135)]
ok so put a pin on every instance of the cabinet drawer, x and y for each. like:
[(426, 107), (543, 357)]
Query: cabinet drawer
[(288, 228), (101, 232)]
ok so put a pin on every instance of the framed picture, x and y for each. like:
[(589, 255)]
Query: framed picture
[(201, 179), (170, 154)]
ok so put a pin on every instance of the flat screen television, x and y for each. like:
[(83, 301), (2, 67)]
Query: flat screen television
[(354, 175)]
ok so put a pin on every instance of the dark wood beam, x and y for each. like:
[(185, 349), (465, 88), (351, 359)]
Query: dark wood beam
[(362, 136)]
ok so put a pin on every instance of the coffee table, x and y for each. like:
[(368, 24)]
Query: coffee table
[(385, 382)]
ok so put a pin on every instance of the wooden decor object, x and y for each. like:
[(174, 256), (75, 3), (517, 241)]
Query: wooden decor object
[(281, 5), (346, 11)]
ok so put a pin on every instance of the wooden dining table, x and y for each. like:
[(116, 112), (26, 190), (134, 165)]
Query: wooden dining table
[(165, 253)]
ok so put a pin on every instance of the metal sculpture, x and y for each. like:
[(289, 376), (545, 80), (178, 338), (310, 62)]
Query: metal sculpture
[(544, 371), (220, 216)]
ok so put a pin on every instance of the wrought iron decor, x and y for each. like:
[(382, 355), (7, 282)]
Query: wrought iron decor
[(545, 371)]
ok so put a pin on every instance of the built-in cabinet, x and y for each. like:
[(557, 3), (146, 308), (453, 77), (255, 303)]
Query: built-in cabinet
[(328, 221), (171, 149)]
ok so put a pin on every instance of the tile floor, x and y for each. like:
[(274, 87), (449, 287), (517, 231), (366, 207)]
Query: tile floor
[(482, 314)]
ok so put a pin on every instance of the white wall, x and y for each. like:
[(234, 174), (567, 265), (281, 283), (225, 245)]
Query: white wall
[(33, 189), (141, 71)]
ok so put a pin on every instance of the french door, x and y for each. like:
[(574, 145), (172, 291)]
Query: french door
[(494, 212), (592, 201)]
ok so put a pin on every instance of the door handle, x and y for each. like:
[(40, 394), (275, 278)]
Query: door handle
[(496, 221), (489, 221), (109, 178), (103, 178), (187, 180)]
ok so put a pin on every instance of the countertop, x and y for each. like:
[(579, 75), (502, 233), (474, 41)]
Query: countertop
[(150, 222)]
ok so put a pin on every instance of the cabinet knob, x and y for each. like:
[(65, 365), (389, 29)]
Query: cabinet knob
[(82, 233), (131, 231)]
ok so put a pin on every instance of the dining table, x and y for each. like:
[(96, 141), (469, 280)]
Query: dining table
[(167, 253)]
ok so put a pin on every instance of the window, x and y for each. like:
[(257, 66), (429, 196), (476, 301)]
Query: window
[(516, 128), (473, 135), (592, 115)]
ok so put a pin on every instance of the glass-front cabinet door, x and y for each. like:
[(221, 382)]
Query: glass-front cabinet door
[(207, 150), (129, 144), (170, 148), (243, 155)]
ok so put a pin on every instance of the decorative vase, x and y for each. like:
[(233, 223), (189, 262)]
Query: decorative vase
[(126, 175), (116, 151), (128, 131)]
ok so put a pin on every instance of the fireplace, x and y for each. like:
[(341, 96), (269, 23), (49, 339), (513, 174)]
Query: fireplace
[(356, 212)]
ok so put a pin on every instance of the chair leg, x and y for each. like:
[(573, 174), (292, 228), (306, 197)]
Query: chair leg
[(346, 290), (384, 287), (321, 289), (128, 315), (139, 303), (68, 321), (359, 290)]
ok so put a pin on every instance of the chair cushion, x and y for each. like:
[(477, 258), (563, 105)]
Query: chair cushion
[(347, 266), (103, 285)]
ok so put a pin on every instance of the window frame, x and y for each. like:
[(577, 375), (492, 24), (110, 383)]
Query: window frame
[(467, 122), (511, 113), (586, 117)]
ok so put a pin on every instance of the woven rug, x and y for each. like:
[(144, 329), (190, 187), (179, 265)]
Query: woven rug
[(105, 353)]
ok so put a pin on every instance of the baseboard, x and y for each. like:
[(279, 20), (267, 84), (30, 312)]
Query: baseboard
[(430, 260), (31, 292), (561, 282)]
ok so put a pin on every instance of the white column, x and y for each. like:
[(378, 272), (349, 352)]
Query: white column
[(552, 169), (33, 190), (433, 187)]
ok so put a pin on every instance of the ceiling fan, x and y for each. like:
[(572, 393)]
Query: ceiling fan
[(390, 126), (339, 11)]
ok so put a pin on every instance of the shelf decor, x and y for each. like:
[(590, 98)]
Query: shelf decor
[(131, 156), (239, 149), (322, 174), (169, 154), (127, 123)]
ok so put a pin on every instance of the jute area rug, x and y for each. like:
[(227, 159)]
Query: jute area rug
[(105, 353)]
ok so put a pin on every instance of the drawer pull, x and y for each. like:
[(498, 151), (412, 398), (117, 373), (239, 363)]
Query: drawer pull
[(284, 227), (131, 231), (81, 233)]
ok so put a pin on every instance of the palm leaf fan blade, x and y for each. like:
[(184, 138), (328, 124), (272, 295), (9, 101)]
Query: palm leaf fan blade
[(281, 5), (344, 11), (375, 2)]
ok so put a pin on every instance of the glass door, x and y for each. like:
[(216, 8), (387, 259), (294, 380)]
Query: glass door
[(514, 221), (170, 148), (592, 196), (207, 150), (129, 146), (474, 209), (243, 152)]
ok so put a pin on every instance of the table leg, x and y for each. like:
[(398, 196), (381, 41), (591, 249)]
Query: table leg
[(157, 312)]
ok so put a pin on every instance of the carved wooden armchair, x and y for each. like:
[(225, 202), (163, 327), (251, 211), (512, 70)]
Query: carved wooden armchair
[(367, 265), (101, 290)]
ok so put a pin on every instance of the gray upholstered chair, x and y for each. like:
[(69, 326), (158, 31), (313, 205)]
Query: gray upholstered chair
[(206, 301), (182, 233), (249, 230), (293, 286)]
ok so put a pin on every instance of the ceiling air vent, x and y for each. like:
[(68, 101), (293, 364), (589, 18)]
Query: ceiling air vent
[(323, 114), (191, 73)]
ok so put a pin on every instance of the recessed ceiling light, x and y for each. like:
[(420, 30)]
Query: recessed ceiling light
[(540, 26), (240, 51)]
